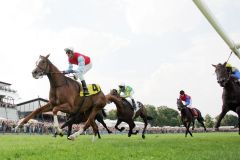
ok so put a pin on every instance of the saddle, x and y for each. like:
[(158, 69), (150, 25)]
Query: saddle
[(92, 88)]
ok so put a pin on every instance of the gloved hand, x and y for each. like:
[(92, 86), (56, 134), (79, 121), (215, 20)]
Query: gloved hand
[(63, 72)]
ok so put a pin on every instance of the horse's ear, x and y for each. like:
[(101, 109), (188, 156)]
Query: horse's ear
[(48, 55), (214, 65), (225, 63)]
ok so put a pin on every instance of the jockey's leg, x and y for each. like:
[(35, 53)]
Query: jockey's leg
[(82, 69)]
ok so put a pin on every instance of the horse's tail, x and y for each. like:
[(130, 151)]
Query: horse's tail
[(149, 118), (104, 113)]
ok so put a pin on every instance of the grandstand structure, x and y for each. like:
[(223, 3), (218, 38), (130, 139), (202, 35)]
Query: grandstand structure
[(25, 108), (8, 96)]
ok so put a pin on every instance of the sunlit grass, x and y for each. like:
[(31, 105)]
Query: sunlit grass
[(157, 146)]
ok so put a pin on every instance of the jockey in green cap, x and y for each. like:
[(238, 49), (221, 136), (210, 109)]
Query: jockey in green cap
[(233, 70), (126, 91)]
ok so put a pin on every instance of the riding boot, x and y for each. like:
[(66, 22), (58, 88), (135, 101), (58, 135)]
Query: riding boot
[(133, 104), (85, 89)]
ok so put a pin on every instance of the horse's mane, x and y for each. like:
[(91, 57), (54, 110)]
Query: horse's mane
[(68, 79)]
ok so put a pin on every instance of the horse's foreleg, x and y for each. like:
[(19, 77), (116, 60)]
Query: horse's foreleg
[(238, 112), (69, 132), (64, 108), (47, 107), (117, 124), (188, 126), (222, 114)]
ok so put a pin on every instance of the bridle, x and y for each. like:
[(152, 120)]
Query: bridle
[(43, 70)]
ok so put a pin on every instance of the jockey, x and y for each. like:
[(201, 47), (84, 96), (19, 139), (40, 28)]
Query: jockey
[(235, 72), (186, 98), (188, 102), (127, 91), (84, 64)]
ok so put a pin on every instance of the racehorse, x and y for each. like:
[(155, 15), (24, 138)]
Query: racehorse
[(82, 118), (64, 96), (126, 114), (188, 118), (231, 92)]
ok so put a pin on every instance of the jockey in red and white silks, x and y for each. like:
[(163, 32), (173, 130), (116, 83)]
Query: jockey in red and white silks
[(84, 64)]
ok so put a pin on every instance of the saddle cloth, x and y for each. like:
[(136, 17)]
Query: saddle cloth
[(194, 112), (92, 89), (129, 100)]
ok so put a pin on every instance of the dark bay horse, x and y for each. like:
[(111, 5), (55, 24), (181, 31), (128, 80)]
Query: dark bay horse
[(64, 97), (126, 114), (76, 119), (187, 117), (231, 92)]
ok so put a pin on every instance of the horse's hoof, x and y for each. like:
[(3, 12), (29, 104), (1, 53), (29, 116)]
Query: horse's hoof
[(122, 129), (71, 137), (61, 134), (109, 132), (143, 136)]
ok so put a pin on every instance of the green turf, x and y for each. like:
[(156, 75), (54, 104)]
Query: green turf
[(203, 146)]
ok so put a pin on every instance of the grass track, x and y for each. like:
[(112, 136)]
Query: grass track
[(203, 146)]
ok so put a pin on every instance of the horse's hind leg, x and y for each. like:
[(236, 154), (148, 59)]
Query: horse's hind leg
[(222, 114), (100, 119), (131, 126), (145, 126), (193, 124), (202, 123)]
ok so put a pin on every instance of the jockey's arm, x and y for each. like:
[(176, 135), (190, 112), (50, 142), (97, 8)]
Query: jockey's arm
[(70, 68), (187, 101)]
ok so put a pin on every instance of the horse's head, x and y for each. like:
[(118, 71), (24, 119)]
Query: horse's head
[(180, 104), (114, 92), (223, 74), (42, 67)]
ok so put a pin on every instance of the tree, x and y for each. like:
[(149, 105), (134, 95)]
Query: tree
[(167, 116), (229, 120), (151, 111), (209, 123), (112, 114)]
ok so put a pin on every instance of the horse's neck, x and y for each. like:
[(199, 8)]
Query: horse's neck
[(231, 86), (117, 102), (55, 77)]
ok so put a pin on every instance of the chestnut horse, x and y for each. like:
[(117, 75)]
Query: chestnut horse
[(187, 117), (231, 93), (64, 97), (126, 114)]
